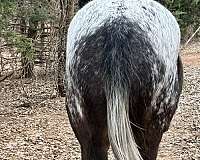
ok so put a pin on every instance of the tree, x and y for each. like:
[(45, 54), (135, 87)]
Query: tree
[(67, 8)]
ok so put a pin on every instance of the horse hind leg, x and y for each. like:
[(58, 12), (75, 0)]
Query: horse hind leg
[(91, 134)]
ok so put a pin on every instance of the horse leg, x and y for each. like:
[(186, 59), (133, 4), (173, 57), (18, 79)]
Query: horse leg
[(96, 147), (90, 131), (148, 140)]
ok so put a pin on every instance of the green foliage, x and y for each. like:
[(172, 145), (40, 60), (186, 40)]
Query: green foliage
[(35, 11), (23, 44), (187, 12), (32, 11), (7, 9)]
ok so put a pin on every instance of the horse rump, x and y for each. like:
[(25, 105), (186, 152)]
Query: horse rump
[(121, 90)]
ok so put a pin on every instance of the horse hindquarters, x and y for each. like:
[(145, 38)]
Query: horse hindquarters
[(102, 75), (117, 73)]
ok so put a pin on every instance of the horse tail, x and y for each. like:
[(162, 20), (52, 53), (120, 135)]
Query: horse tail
[(119, 129), (122, 78)]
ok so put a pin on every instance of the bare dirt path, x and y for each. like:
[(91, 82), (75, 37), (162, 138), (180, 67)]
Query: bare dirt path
[(191, 60), (37, 128)]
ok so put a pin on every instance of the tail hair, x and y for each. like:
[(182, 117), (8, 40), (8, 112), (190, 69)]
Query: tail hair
[(119, 129)]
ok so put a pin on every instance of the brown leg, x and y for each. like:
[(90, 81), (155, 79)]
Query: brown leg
[(148, 141), (90, 130)]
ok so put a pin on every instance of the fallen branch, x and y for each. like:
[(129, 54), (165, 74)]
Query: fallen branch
[(6, 76), (9, 74), (188, 41)]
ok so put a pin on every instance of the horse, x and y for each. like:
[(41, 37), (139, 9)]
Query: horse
[(124, 77)]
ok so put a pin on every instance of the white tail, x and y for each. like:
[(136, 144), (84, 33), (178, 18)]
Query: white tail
[(119, 130)]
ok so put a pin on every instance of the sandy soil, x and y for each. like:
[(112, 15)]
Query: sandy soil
[(34, 123)]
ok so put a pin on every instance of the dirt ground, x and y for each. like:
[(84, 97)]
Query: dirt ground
[(34, 123)]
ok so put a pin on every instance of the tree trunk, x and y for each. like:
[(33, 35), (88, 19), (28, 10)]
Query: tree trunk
[(67, 12), (27, 68), (27, 64)]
